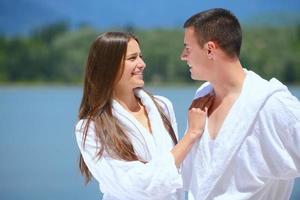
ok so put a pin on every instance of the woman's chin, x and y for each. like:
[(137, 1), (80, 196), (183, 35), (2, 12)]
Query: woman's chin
[(140, 84)]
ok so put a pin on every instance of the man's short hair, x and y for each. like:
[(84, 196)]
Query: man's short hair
[(218, 25)]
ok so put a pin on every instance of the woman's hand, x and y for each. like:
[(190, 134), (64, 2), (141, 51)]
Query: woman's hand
[(196, 122)]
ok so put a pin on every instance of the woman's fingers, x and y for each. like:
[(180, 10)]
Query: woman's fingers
[(196, 120)]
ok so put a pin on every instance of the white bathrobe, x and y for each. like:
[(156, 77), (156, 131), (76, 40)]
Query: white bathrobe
[(158, 179), (256, 154)]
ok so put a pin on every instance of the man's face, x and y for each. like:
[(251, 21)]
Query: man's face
[(195, 56)]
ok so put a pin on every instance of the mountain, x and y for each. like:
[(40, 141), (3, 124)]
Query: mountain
[(21, 16)]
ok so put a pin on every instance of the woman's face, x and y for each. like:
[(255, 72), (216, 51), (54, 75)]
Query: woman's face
[(134, 66)]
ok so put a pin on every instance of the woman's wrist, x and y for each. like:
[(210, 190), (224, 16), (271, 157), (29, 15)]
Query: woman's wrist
[(194, 135)]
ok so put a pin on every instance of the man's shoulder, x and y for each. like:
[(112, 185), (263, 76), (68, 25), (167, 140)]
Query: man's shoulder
[(203, 90), (283, 106)]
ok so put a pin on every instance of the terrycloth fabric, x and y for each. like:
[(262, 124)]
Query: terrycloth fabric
[(158, 179), (256, 153)]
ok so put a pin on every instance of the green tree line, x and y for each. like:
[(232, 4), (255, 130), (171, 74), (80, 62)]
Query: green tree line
[(56, 53)]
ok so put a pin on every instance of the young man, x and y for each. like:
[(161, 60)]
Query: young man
[(250, 148)]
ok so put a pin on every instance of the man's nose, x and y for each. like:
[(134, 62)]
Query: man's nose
[(183, 55)]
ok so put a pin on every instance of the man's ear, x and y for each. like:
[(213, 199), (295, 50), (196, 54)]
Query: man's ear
[(211, 46)]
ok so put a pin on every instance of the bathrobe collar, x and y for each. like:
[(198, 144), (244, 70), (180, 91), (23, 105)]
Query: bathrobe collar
[(138, 134)]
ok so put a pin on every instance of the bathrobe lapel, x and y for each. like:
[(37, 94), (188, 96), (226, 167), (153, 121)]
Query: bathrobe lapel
[(235, 128), (138, 134)]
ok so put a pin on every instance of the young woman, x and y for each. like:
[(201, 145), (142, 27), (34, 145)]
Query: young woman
[(126, 136)]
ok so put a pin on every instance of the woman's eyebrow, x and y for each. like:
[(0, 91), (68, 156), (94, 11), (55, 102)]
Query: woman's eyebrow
[(132, 54)]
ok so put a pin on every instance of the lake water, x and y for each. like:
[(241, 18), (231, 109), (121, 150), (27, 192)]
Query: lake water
[(39, 156)]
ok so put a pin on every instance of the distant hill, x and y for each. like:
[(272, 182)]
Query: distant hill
[(21, 16)]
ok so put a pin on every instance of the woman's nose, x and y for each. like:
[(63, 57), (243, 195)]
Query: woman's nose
[(141, 63)]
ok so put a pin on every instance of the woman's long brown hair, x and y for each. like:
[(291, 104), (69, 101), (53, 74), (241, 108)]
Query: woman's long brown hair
[(104, 65)]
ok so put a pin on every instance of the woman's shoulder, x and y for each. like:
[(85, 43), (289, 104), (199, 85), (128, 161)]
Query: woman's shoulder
[(82, 128), (163, 101), (166, 105), (81, 125)]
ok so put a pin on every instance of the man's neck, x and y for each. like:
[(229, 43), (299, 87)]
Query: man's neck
[(228, 80)]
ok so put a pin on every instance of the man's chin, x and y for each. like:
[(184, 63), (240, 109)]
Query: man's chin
[(195, 78)]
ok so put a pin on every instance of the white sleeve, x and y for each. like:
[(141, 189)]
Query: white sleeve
[(130, 179), (293, 146), (186, 170), (291, 136), (282, 119)]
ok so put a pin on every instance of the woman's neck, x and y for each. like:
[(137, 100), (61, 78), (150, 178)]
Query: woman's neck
[(128, 100)]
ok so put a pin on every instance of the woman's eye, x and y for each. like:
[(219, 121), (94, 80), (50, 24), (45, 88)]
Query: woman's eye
[(131, 58)]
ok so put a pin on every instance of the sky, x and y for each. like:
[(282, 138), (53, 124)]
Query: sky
[(23, 15)]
